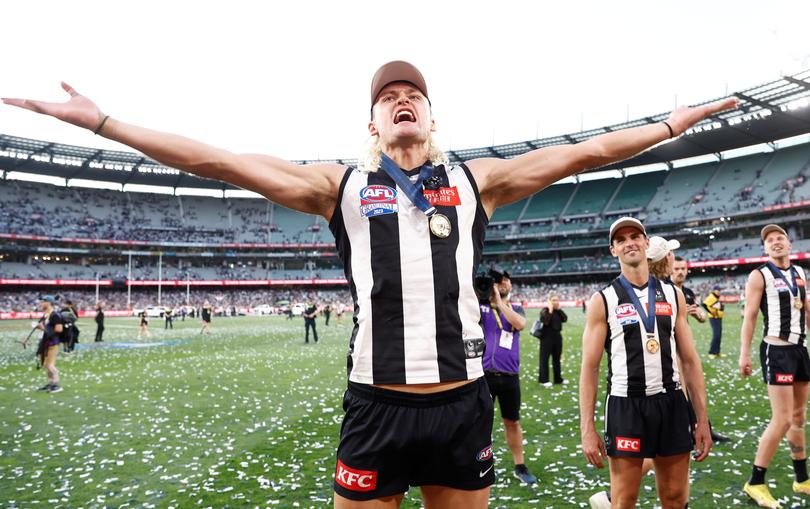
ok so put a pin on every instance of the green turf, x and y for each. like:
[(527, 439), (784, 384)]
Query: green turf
[(249, 417)]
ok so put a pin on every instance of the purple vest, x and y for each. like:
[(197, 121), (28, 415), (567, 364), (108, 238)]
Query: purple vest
[(496, 356)]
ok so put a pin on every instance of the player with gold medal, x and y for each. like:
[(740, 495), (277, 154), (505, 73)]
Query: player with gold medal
[(777, 288)]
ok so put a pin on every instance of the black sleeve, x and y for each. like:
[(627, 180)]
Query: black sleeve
[(545, 316), (563, 316)]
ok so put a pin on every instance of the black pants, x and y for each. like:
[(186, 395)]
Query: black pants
[(717, 335), (99, 333), (169, 324), (327, 314), (310, 322), (551, 346)]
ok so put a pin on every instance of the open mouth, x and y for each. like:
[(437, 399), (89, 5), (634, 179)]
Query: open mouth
[(404, 116)]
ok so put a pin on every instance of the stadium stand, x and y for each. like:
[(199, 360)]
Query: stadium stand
[(556, 236)]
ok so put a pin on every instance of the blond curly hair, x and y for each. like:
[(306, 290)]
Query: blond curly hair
[(370, 160)]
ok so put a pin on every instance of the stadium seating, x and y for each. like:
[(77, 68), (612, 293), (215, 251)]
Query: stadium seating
[(636, 192), (591, 197)]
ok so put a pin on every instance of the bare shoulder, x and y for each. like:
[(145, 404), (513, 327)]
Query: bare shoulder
[(596, 306)]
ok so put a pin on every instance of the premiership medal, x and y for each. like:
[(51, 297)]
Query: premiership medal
[(652, 344), (440, 226), (797, 303)]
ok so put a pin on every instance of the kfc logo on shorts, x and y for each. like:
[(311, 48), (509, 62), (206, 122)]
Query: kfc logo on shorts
[(484, 454), (784, 378), (663, 309), (355, 480), (626, 314), (628, 444)]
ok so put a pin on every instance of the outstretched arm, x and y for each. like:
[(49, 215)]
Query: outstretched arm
[(503, 181), (312, 189)]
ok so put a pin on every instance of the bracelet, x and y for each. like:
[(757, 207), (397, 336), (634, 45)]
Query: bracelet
[(104, 121), (671, 132)]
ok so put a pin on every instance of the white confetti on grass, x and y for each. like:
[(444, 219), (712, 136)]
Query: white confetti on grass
[(250, 417)]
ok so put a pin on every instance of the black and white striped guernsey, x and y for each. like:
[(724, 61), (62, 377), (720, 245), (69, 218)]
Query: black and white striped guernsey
[(782, 319), (416, 315), (632, 369)]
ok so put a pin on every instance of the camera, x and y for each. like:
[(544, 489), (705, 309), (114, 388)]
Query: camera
[(485, 281)]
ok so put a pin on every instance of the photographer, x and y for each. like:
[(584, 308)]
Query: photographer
[(551, 339), (502, 322)]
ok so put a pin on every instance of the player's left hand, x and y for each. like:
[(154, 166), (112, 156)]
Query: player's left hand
[(685, 117), (703, 440)]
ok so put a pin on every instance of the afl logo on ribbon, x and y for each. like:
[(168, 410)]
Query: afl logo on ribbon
[(377, 200)]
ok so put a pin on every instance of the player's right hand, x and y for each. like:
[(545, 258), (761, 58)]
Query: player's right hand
[(746, 366), (78, 110), (594, 449)]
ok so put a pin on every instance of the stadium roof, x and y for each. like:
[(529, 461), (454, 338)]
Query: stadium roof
[(769, 112)]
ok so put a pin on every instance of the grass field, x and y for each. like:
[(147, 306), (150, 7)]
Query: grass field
[(249, 417)]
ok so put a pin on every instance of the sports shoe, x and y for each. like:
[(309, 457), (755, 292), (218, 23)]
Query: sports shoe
[(523, 475), (713, 355), (802, 487), (759, 493), (54, 388), (599, 500), (45, 387)]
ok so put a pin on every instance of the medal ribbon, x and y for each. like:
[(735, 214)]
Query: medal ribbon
[(794, 289), (648, 317), (412, 191)]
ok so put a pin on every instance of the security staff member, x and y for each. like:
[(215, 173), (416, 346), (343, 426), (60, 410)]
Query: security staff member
[(502, 322), (641, 322), (310, 313), (715, 309), (168, 314), (407, 259), (551, 341), (327, 312), (778, 289), (99, 318)]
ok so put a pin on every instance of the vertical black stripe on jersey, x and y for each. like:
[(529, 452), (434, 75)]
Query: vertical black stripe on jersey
[(479, 225), (387, 314), (785, 309), (634, 348), (449, 350), (344, 249), (664, 324)]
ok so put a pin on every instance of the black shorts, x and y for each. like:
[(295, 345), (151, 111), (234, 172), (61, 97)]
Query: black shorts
[(649, 426), (783, 365), (505, 389), (391, 440)]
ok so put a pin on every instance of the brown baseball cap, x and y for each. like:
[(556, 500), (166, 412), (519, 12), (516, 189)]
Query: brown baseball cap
[(398, 70), (768, 228)]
